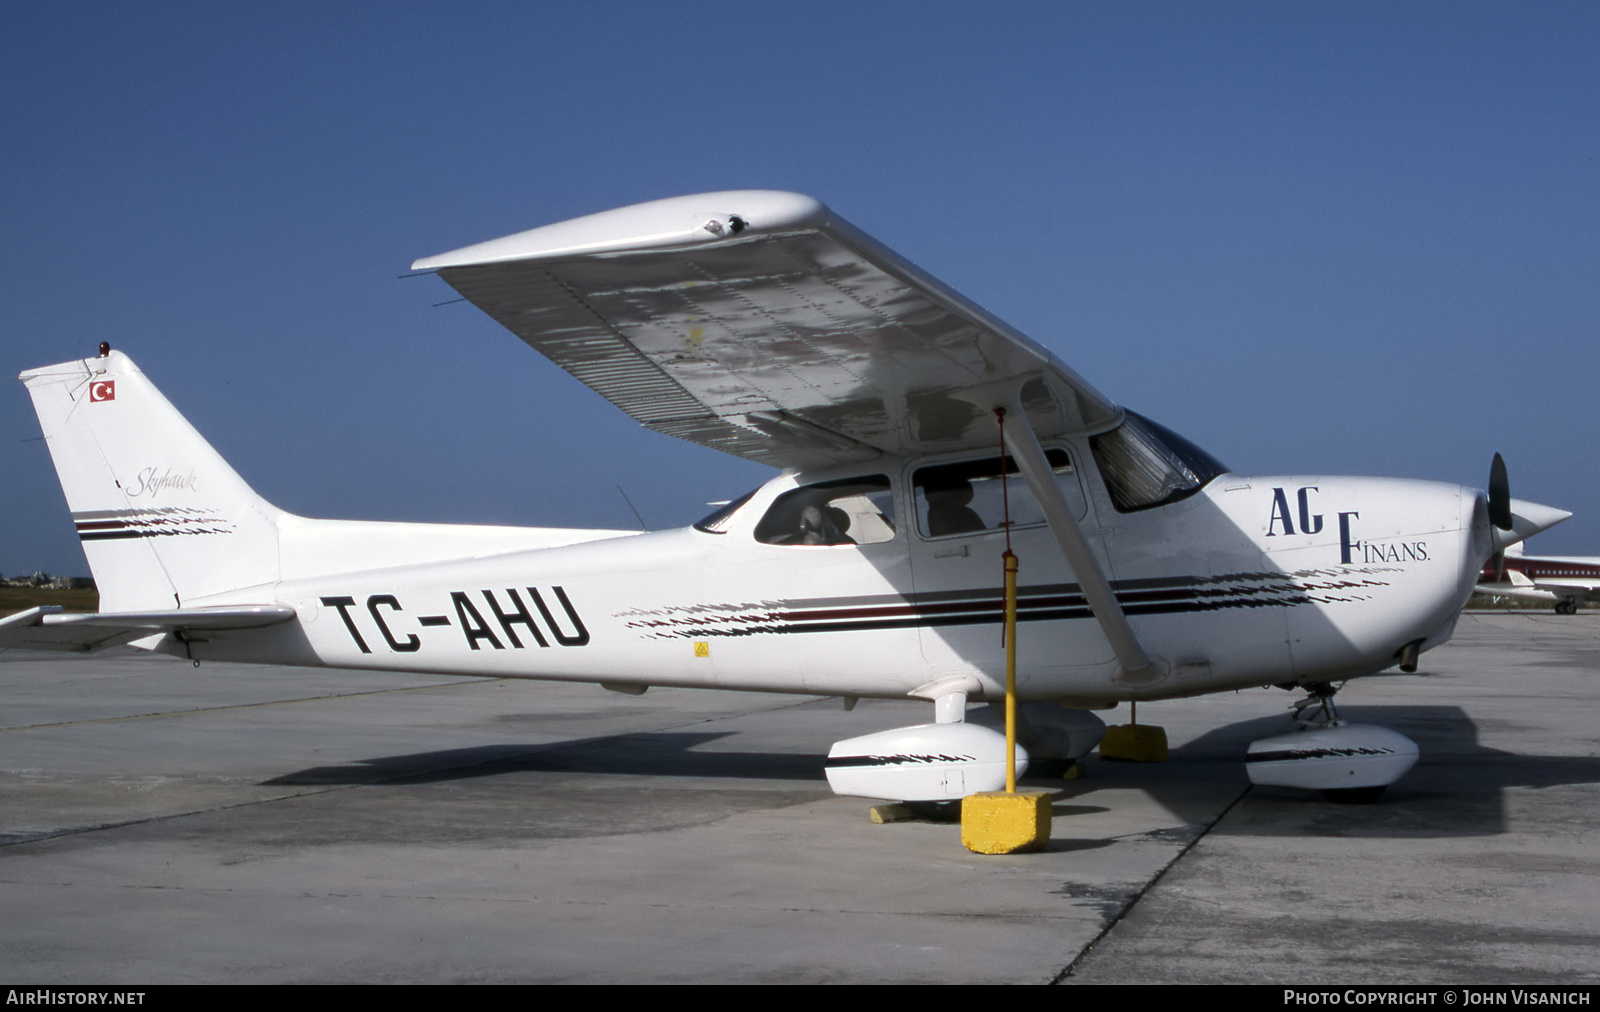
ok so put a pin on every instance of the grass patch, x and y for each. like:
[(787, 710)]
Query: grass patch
[(15, 599)]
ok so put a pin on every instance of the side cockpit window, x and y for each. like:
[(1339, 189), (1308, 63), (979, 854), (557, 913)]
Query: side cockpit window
[(970, 495), (847, 511)]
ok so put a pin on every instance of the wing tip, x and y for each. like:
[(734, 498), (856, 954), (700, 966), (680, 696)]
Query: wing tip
[(675, 221)]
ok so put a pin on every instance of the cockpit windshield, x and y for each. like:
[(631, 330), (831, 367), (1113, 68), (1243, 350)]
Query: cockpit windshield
[(1145, 464)]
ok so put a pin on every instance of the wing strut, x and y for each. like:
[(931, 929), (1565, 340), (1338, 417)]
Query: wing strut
[(1137, 665)]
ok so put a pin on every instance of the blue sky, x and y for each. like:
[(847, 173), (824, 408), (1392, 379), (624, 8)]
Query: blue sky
[(1339, 238)]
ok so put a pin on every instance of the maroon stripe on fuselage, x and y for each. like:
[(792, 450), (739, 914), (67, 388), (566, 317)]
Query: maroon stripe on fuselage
[(1553, 569)]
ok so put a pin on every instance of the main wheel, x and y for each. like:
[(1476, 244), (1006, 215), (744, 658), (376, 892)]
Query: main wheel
[(936, 811), (1354, 795)]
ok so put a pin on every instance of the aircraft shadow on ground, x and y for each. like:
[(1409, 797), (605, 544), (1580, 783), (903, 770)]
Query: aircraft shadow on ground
[(1457, 789), (650, 754)]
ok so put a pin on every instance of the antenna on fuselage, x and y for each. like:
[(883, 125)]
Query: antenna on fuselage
[(636, 515)]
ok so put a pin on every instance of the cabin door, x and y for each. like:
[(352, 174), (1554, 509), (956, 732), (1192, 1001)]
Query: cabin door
[(957, 532)]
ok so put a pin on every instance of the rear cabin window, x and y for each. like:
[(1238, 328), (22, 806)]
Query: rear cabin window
[(722, 519), (970, 496), (847, 511)]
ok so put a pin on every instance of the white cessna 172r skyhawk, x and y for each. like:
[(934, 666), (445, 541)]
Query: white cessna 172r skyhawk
[(761, 324)]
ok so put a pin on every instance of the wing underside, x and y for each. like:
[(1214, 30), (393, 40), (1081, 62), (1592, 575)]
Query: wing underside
[(761, 325)]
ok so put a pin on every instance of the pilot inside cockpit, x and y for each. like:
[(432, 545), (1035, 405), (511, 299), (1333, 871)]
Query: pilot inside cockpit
[(949, 511), (850, 512), (817, 523)]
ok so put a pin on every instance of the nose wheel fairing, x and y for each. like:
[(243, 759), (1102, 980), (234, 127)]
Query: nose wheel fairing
[(1346, 762)]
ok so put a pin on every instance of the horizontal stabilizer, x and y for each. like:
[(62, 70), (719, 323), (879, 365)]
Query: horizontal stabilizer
[(49, 628)]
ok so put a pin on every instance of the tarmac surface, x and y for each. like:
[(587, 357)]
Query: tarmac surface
[(161, 823)]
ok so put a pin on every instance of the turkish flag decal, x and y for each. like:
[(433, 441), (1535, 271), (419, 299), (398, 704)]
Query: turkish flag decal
[(102, 390)]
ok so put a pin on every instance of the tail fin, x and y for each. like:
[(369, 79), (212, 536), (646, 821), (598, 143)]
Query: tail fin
[(164, 520)]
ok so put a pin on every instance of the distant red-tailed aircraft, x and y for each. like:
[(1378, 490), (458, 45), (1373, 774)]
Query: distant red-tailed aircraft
[(1565, 581)]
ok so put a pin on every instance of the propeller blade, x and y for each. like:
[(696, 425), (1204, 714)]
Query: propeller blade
[(1499, 494)]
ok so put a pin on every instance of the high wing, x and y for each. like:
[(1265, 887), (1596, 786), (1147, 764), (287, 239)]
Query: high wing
[(761, 324)]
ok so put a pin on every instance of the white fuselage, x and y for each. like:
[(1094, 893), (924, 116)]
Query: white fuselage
[(1249, 581)]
